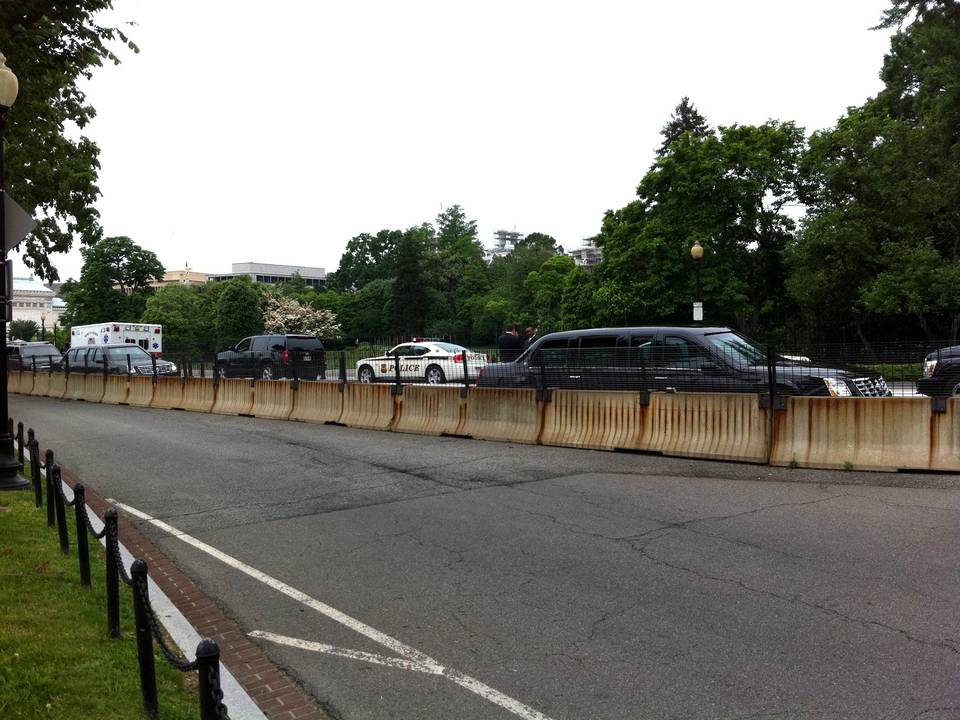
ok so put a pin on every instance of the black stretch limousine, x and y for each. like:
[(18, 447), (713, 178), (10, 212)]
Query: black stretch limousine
[(686, 359)]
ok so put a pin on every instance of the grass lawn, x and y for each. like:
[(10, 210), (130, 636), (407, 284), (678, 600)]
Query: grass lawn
[(56, 658)]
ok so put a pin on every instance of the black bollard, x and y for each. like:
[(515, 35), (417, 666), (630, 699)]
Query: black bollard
[(51, 500), (113, 573), (83, 549), (20, 440), (148, 672), (398, 386), (54, 475), (34, 450), (208, 670)]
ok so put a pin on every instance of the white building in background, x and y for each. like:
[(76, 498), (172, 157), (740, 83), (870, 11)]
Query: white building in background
[(504, 243), (32, 300), (587, 255), (273, 274)]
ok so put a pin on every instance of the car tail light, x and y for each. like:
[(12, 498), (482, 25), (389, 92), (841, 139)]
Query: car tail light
[(285, 357), (480, 373), (156, 355), (458, 358)]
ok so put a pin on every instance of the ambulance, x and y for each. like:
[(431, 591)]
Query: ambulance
[(149, 337)]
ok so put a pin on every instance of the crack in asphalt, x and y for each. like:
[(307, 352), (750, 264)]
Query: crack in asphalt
[(796, 600)]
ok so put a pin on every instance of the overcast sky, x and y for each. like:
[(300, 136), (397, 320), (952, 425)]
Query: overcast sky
[(275, 132)]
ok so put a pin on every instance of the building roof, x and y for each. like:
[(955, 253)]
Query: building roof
[(30, 284), (59, 303)]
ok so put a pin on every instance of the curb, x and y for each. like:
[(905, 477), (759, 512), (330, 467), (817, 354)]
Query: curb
[(270, 689)]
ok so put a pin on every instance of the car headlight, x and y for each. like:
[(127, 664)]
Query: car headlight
[(836, 388), (929, 367), (173, 367)]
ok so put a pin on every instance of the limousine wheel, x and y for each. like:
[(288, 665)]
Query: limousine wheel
[(222, 371)]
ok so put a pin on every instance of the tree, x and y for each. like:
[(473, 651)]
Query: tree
[(187, 316), (114, 283), (685, 119), (546, 287), (881, 238), (53, 47), (238, 312), (409, 293), (367, 258), (23, 330), (284, 315)]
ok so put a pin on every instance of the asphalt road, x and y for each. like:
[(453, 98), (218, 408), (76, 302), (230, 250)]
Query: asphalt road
[(545, 582)]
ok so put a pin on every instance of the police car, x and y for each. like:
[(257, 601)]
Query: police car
[(431, 362)]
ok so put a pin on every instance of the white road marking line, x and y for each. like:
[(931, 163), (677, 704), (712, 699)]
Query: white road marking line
[(465, 681), (319, 647)]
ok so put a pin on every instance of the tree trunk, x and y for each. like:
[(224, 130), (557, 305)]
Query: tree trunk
[(862, 336), (925, 326)]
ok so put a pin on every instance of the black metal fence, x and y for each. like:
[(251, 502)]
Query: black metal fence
[(717, 362), (147, 627)]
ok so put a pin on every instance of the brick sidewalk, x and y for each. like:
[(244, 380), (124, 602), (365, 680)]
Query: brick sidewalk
[(272, 690)]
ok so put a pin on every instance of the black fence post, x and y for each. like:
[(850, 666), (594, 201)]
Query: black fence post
[(129, 367), (293, 365), (83, 549), (772, 392), (113, 572), (343, 369), (66, 365), (33, 362), (19, 437), (148, 672), (153, 362), (398, 385), (34, 449), (51, 500), (208, 670), (203, 364), (86, 365), (54, 475), (466, 369), (542, 380)]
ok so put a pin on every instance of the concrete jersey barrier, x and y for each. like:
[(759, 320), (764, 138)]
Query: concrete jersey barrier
[(368, 406), (167, 393), (596, 419), (234, 397), (93, 386), (317, 402), (58, 385), (511, 415), (725, 426), (140, 391), (272, 399), (41, 384), (199, 394), (115, 391), (74, 388), (868, 434), (431, 410)]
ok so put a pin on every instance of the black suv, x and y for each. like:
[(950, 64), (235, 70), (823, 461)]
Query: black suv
[(274, 356), (941, 373), (668, 359), (116, 360), (24, 356)]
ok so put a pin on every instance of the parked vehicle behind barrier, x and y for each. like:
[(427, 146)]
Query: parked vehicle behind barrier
[(941, 373), (274, 356), (26, 356), (118, 359), (671, 359), (431, 362)]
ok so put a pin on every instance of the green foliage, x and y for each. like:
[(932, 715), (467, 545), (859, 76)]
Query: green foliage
[(409, 311), (238, 312), (53, 48), (23, 330), (186, 313), (114, 283), (367, 258)]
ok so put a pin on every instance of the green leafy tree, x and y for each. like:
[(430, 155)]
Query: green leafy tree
[(367, 258), (23, 330), (546, 286), (114, 283), (238, 311), (53, 47), (410, 300), (685, 119), (369, 311), (186, 315)]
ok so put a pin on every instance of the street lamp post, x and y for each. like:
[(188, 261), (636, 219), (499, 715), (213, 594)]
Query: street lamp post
[(10, 477), (696, 252)]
